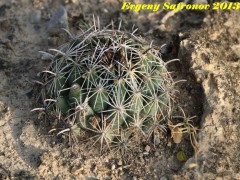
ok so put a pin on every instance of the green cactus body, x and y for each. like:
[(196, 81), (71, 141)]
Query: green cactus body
[(88, 78), (120, 89), (108, 73), (137, 101), (151, 107), (57, 86), (76, 129), (110, 135), (151, 83), (75, 76), (83, 115), (147, 124), (62, 104), (118, 118), (99, 100), (118, 114), (76, 94)]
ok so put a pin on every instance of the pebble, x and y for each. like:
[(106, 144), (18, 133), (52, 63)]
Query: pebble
[(156, 154), (169, 144), (58, 20), (236, 49), (113, 167), (147, 148), (157, 141), (145, 153), (120, 163), (165, 49), (35, 17)]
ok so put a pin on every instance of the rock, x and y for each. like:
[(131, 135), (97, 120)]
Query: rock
[(156, 154), (113, 167), (120, 163), (147, 148), (58, 20), (165, 49), (35, 17), (229, 23), (236, 49), (169, 144), (190, 163), (157, 141)]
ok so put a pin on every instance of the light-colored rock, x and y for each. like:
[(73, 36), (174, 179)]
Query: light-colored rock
[(58, 21), (236, 49)]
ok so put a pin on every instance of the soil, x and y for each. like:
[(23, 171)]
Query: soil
[(209, 62)]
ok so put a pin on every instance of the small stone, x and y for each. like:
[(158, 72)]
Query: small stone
[(105, 10), (35, 17), (145, 153), (157, 141), (156, 154), (165, 49), (120, 163), (58, 20), (147, 148), (113, 167), (169, 144), (229, 23), (236, 49), (120, 169)]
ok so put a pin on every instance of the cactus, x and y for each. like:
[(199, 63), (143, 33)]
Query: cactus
[(109, 81)]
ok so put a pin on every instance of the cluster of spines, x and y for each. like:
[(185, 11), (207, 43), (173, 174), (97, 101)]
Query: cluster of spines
[(107, 82)]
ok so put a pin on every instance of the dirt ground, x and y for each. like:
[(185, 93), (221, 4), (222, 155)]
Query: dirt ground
[(209, 56)]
